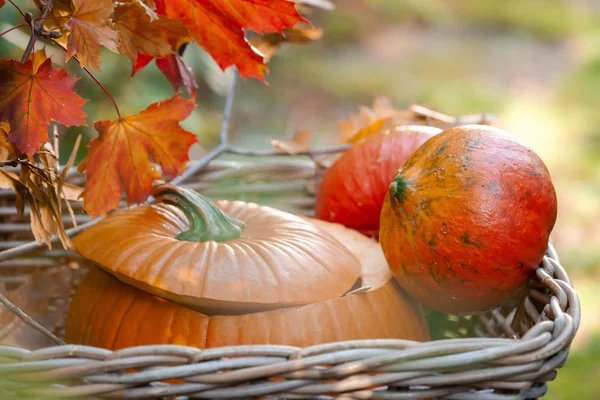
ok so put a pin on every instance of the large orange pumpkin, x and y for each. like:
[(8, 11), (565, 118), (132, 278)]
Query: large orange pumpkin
[(352, 190), (232, 257), (108, 313), (467, 219), (209, 274)]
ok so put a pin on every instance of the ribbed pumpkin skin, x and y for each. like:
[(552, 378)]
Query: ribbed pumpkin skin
[(352, 190), (110, 314), (279, 260), (473, 221)]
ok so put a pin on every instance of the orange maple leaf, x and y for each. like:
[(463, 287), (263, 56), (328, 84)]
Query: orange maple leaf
[(139, 33), (30, 98), (218, 26), (88, 30), (118, 159)]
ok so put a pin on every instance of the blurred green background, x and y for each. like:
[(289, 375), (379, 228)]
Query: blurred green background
[(533, 63)]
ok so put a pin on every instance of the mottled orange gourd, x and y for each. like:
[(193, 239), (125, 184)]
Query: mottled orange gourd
[(467, 219), (352, 190)]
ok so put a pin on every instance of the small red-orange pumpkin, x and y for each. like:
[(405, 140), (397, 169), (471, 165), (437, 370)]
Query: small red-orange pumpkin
[(352, 190), (467, 219)]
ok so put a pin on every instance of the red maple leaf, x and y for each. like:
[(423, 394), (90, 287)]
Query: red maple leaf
[(30, 98), (218, 26), (118, 159)]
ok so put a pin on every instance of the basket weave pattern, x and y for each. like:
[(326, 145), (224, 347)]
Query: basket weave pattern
[(500, 359)]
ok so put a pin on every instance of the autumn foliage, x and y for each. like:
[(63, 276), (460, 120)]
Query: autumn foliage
[(124, 158)]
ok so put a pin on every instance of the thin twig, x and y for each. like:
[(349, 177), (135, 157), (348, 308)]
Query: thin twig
[(267, 153), (36, 28), (27, 247), (31, 43), (12, 29), (223, 146), (17, 7), (224, 135), (29, 321)]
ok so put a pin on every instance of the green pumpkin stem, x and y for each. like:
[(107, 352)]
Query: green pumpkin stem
[(398, 188), (207, 221)]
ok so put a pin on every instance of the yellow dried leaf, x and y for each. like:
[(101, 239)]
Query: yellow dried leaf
[(381, 116), (299, 143)]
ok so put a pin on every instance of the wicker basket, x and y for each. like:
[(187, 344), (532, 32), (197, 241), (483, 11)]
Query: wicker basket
[(485, 358)]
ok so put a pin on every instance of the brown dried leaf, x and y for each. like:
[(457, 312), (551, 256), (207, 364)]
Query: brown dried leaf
[(300, 142), (268, 43), (39, 225), (7, 149), (9, 180), (48, 158), (71, 192)]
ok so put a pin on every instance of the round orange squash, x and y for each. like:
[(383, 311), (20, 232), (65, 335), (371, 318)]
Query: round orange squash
[(467, 219), (224, 258), (352, 190), (108, 313)]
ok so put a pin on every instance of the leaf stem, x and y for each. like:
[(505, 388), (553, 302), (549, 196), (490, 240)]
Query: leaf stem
[(13, 28), (112, 99), (17, 7), (104, 89)]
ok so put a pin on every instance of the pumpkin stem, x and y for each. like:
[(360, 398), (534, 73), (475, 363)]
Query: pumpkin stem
[(398, 188), (207, 221)]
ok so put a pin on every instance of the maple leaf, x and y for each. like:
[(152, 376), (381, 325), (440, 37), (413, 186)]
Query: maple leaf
[(218, 26), (29, 99), (139, 33), (88, 30), (118, 159), (177, 72), (300, 142), (1, 3)]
